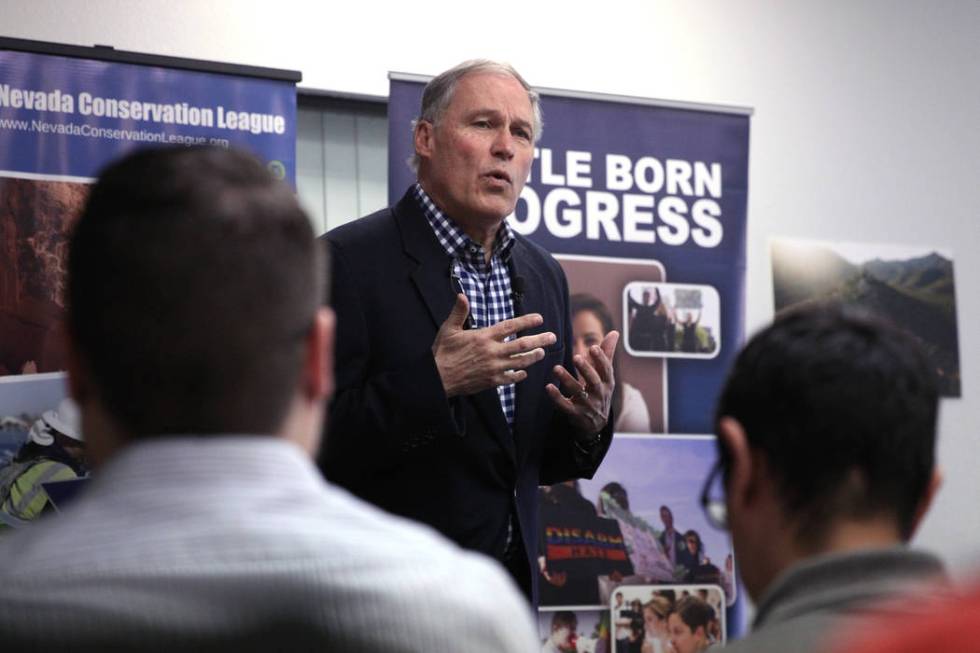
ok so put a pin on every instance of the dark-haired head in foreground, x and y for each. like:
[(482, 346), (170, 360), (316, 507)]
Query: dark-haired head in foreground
[(826, 432), (195, 295)]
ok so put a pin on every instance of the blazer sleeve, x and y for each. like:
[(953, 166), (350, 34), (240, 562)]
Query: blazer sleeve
[(378, 412)]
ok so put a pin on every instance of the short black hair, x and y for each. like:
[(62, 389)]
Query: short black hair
[(193, 280), (694, 612), (843, 404)]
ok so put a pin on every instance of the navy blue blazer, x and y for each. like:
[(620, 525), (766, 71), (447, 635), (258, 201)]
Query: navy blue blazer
[(394, 438)]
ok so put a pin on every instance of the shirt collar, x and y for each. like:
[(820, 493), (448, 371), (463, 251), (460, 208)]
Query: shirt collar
[(453, 239)]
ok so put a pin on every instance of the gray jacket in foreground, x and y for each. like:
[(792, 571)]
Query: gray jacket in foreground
[(819, 601)]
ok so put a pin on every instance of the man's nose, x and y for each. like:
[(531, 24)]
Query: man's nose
[(503, 144)]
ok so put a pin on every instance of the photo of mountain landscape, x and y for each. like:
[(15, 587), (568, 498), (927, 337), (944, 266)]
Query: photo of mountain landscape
[(912, 287)]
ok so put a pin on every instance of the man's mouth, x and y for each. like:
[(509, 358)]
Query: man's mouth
[(499, 175)]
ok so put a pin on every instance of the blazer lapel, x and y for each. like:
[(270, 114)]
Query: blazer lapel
[(432, 279), (431, 276)]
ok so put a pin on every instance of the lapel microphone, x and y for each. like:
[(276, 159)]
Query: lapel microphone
[(517, 293), (517, 287)]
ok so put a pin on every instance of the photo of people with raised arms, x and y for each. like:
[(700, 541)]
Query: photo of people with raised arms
[(671, 320)]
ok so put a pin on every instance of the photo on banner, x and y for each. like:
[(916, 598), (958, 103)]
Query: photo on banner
[(671, 320), (639, 521), (573, 631), (36, 217), (596, 286), (911, 286), (40, 445), (667, 618)]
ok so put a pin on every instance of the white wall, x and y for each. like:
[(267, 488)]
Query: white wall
[(865, 126), (341, 165)]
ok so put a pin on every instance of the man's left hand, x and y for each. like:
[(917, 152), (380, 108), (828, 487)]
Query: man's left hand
[(590, 391)]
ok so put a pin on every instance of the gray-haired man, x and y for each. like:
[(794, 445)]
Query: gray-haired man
[(450, 327)]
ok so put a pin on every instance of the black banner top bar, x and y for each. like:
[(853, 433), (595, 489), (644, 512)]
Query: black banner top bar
[(109, 53)]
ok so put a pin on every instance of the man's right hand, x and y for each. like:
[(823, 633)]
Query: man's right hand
[(471, 360)]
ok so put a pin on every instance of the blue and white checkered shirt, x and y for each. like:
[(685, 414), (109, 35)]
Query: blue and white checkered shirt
[(486, 285)]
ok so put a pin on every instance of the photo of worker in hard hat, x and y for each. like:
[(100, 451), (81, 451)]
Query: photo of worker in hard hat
[(54, 451)]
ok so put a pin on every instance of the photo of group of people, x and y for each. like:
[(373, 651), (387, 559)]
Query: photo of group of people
[(639, 619), (637, 522), (671, 320), (667, 619)]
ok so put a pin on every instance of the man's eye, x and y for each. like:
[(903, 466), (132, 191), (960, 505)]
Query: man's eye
[(484, 124), (522, 133)]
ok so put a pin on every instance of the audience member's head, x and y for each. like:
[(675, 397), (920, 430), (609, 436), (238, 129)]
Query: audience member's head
[(688, 625), (195, 294), (826, 431), (666, 517)]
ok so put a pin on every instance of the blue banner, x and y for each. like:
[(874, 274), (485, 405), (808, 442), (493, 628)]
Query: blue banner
[(69, 117), (62, 119), (624, 180), (644, 206)]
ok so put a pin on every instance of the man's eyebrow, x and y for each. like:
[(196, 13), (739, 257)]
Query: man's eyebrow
[(487, 111), (496, 113)]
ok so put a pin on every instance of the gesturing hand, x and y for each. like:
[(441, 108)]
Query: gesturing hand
[(591, 392), (471, 360)]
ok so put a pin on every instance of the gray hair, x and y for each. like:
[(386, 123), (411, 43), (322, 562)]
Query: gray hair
[(438, 94)]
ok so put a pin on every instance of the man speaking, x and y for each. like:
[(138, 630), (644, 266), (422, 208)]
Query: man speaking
[(458, 393)]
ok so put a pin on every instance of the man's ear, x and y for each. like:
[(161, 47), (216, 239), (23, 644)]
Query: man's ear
[(741, 482), (935, 482), (424, 133), (318, 367)]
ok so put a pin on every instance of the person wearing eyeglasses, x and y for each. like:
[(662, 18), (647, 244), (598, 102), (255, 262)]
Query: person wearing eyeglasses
[(826, 436)]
